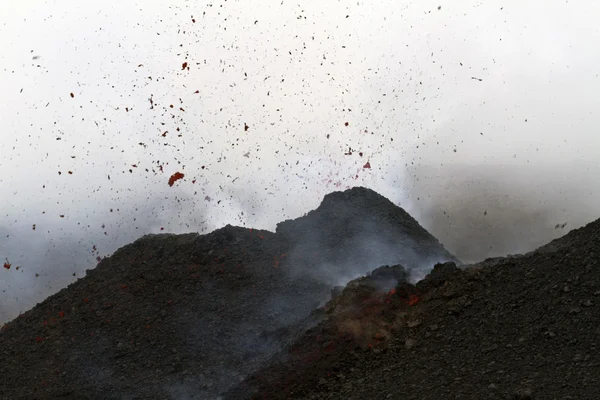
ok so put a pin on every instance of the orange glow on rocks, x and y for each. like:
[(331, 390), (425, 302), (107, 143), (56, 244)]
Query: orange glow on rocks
[(413, 299)]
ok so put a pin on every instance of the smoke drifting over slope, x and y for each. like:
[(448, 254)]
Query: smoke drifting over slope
[(475, 211), (354, 232), (486, 211), (522, 323)]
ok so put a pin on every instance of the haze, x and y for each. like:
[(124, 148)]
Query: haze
[(479, 118)]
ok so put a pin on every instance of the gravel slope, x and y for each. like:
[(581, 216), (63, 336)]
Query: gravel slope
[(521, 327), (189, 316)]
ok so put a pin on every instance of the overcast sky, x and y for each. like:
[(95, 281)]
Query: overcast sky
[(480, 118)]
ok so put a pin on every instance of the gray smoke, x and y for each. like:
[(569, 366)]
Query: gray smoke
[(481, 211), (55, 254)]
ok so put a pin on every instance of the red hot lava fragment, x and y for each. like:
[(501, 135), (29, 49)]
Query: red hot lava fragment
[(175, 177), (410, 296)]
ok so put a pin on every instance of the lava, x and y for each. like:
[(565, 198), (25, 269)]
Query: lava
[(175, 177)]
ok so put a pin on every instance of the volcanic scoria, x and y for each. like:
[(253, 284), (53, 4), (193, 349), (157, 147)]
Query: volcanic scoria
[(519, 327), (190, 316), (323, 308)]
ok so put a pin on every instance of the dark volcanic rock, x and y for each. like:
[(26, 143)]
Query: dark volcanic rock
[(520, 327), (386, 277), (189, 316)]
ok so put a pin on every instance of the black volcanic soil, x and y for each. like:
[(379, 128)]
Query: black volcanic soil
[(245, 313), (520, 327), (190, 316)]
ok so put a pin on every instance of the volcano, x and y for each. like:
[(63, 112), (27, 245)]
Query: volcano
[(328, 306), (191, 316)]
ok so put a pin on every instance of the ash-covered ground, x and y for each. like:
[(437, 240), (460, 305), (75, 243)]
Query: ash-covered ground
[(190, 316)]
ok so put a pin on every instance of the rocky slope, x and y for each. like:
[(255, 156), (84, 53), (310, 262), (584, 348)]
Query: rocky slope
[(189, 316), (520, 327)]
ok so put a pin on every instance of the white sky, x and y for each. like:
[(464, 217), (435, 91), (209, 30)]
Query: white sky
[(401, 74)]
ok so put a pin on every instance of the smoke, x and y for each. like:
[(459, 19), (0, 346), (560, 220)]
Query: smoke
[(54, 254), (475, 211), (350, 235), (364, 252), (481, 211)]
